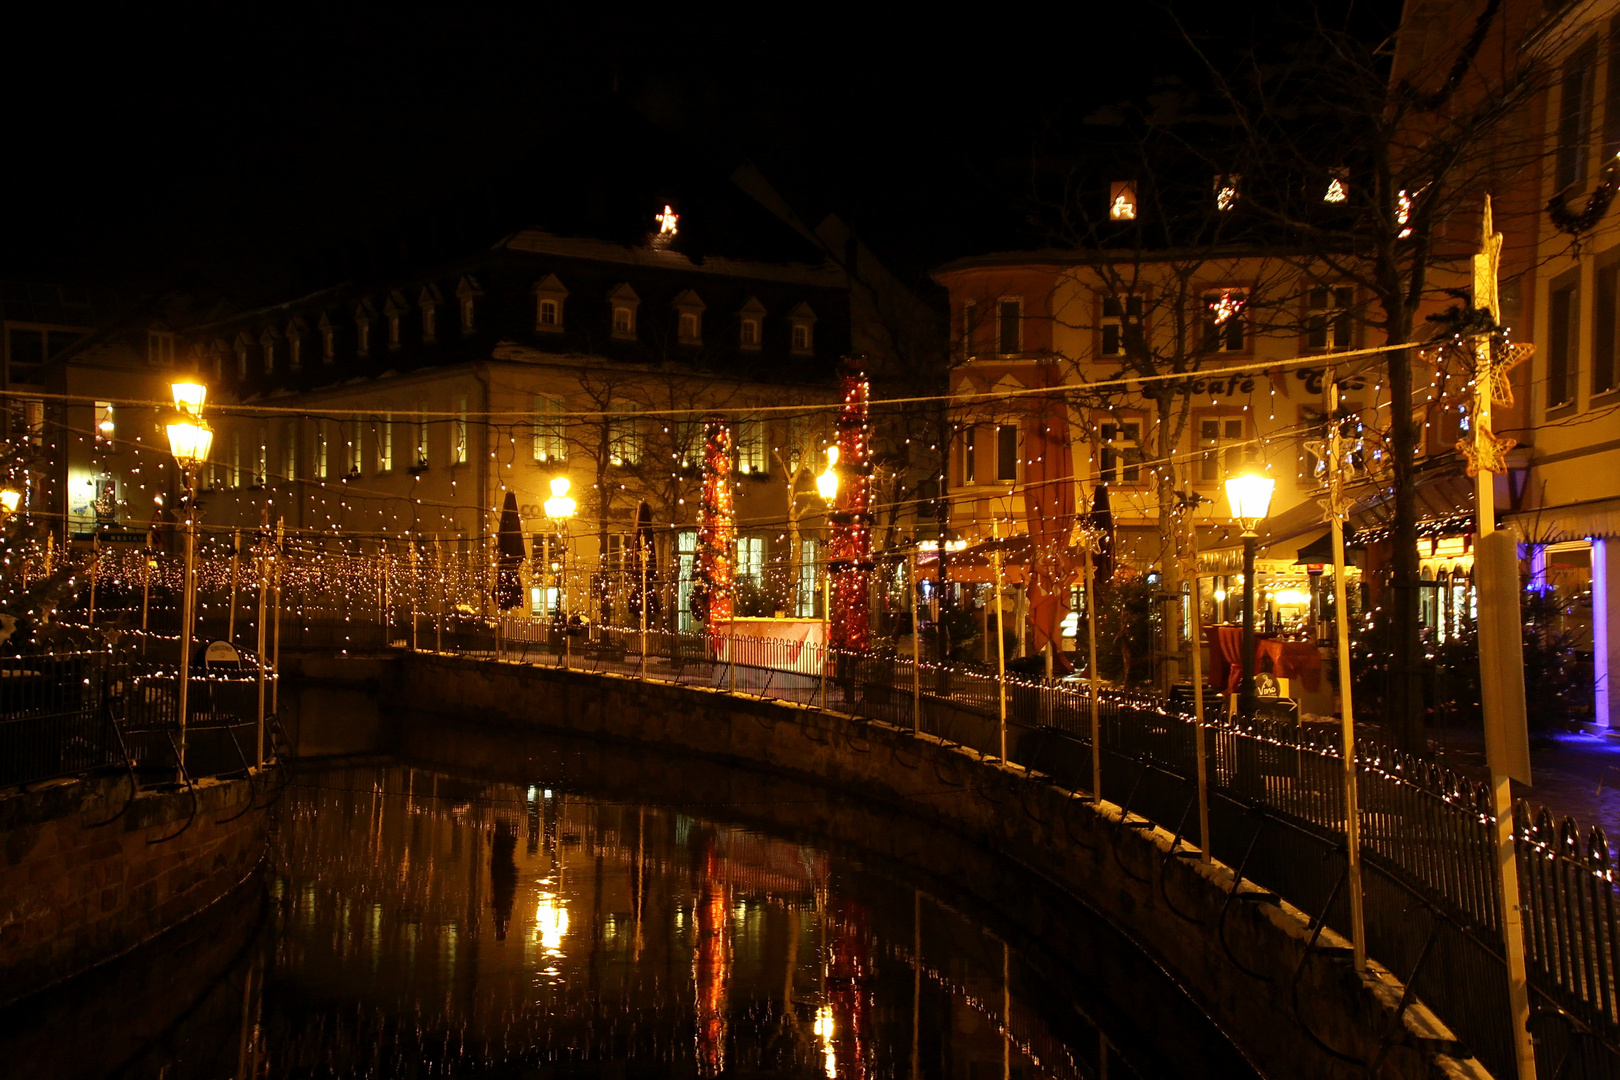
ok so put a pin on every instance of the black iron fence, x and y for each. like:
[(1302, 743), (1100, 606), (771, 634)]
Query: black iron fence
[(70, 712)]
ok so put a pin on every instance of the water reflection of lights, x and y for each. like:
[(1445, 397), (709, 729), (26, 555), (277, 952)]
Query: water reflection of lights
[(824, 1030), (550, 923)]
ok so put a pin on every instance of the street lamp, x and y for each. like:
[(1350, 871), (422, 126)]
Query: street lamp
[(827, 488), (1250, 496), (10, 499), (189, 440), (559, 508)]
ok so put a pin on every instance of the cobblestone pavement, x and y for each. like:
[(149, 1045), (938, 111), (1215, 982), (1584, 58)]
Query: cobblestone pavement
[(1575, 775)]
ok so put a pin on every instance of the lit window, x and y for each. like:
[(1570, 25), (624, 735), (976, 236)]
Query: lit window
[(105, 428), (1122, 200), (459, 452), (548, 429), (1010, 325), (320, 450), (1120, 454), (385, 443), (751, 558), (550, 313), (624, 439), (1327, 323), (236, 459), (356, 447), (748, 333), (1225, 320), (290, 464), (419, 460), (751, 446)]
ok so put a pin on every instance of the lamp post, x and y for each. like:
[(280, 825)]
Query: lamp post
[(189, 441), (10, 499), (559, 509), (1250, 496), (827, 488)]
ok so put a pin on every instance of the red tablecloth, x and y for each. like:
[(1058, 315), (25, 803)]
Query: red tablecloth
[(1298, 661)]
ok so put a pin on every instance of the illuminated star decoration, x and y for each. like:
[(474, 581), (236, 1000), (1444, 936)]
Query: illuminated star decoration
[(1505, 356), (1228, 305), (1486, 452), (667, 221)]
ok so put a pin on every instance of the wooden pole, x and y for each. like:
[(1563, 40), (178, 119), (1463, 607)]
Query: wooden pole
[(1200, 729), (1347, 726), (1001, 649), (236, 558), (916, 651), (1091, 671)]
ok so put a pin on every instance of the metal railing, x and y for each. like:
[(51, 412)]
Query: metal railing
[(76, 712)]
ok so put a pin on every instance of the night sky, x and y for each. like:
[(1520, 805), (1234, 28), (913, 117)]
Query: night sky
[(149, 148)]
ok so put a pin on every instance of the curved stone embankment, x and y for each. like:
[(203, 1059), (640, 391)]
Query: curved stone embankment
[(88, 873), (1246, 963)]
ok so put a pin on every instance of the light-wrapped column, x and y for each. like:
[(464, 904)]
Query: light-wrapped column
[(850, 551)]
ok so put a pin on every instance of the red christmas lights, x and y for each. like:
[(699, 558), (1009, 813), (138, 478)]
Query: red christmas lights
[(850, 548), (712, 588)]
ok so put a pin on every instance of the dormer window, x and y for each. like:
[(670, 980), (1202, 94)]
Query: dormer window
[(548, 305), (467, 292), (801, 329), (394, 310), (159, 348), (751, 324), (295, 344), (364, 314), (624, 302), (428, 300), (328, 340), (267, 341), (689, 309), (242, 343)]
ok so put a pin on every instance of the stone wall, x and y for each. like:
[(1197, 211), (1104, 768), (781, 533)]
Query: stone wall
[(1244, 963), (88, 873)]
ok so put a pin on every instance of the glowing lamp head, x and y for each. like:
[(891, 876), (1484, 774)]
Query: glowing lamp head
[(189, 441), (10, 499), (1250, 496), (189, 397), (559, 506), (827, 484)]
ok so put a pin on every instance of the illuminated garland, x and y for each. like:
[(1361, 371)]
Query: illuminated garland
[(711, 600), (850, 549)]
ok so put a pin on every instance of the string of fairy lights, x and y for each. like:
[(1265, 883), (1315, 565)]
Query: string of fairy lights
[(343, 531)]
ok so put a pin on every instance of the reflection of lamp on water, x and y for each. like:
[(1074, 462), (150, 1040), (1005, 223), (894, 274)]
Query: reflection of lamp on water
[(550, 923), (1250, 496), (824, 1029)]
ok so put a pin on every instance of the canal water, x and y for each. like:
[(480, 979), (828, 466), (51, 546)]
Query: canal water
[(416, 922)]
